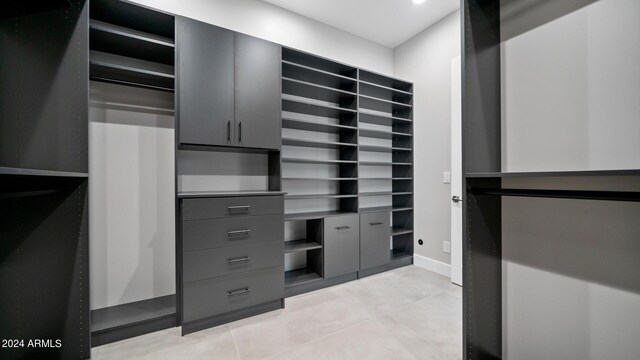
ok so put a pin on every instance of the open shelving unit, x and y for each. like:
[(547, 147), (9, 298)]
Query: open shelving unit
[(131, 45)]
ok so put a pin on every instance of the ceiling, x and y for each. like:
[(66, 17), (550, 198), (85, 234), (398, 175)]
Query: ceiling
[(387, 22)]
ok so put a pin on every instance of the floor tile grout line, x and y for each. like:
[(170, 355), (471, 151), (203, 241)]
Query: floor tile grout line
[(418, 335), (324, 336), (235, 344), (416, 301)]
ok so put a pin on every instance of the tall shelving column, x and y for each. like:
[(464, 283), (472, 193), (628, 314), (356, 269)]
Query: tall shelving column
[(319, 156), (385, 137)]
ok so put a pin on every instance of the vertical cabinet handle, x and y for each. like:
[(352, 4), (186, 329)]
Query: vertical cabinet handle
[(229, 130), (240, 131)]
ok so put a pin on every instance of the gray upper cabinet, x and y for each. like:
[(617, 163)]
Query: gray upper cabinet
[(228, 87), (341, 245), (258, 109), (375, 232), (205, 83)]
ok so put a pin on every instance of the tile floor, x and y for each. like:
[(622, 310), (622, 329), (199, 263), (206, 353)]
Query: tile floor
[(407, 313)]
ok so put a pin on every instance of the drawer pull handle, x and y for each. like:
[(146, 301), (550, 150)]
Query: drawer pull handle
[(239, 208), (343, 227), (238, 232), (238, 292), (376, 223), (238, 260)]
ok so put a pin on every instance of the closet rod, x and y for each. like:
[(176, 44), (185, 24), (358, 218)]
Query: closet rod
[(562, 194)]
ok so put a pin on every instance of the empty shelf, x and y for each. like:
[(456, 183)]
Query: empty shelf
[(316, 161), (319, 63), (370, 88), (319, 196), (296, 277), (316, 143), (132, 313), (316, 76), (309, 108), (315, 215), (385, 149), (379, 119), (375, 103), (384, 208), (319, 179), (301, 245), (376, 178), (382, 80), (630, 172), (318, 92), (399, 255), (309, 125), (402, 193), (123, 41), (375, 163), (402, 164), (129, 71), (401, 178), (400, 231), (375, 193), (36, 172), (381, 134)]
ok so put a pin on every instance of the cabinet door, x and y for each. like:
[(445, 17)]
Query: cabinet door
[(257, 93), (341, 245), (204, 83), (375, 232)]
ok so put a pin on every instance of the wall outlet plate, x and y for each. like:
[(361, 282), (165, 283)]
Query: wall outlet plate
[(447, 177), (447, 247)]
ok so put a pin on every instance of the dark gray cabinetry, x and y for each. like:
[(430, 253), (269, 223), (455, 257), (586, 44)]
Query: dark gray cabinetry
[(232, 258), (375, 231), (228, 87), (205, 96), (341, 245), (257, 92)]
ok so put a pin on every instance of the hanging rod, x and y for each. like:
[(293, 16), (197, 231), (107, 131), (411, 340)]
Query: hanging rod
[(562, 194)]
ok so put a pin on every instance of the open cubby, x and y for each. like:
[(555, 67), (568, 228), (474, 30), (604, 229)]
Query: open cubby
[(339, 98), (309, 249), (318, 77)]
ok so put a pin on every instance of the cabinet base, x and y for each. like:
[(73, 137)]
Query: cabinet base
[(386, 267), (197, 325), (297, 289)]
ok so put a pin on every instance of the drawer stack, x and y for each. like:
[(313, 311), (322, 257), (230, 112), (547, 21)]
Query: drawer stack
[(232, 258)]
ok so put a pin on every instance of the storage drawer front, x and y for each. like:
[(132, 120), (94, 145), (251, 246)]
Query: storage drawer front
[(341, 245), (204, 264), (213, 208), (375, 233), (209, 234), (212, 297)]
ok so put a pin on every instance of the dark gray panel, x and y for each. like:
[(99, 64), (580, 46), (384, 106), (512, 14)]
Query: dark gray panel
[(204, 264), (215, 233), (205, 83), (375, 233), (44, 90), (211, 208), (257, 92), (193, 326), (341, 245), (212, 297)]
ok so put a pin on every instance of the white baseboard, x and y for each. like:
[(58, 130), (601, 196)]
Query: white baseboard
[(432, 265)]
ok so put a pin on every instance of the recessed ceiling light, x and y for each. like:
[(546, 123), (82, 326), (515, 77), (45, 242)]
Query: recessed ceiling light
[(418, 2)]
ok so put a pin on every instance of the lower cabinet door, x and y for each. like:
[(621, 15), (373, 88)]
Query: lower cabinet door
[(341, 245), (375, 233), (210, 297)]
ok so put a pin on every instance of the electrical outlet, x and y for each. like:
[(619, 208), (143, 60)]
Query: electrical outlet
[(447, 247), (447, 177)]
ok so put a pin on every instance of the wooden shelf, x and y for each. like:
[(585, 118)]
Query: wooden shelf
[(319, 196), (399, 255), (400, 231), (342, 99), (316, 143), (127, 42), (301, 245), (316, 62), (384, 149), (316, 161), (300, 276), (128, 71), (308, 125), (379, 119), (319, 179), (310, 108), (316, 76), (381, 134)]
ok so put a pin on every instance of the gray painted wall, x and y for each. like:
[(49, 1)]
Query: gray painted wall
[(131, 166), (579, 76), (426, 60)]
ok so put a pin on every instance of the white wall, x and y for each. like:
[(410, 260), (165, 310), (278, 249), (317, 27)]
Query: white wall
[(584, 68), (269, 22), (131, 187), (425, 59)]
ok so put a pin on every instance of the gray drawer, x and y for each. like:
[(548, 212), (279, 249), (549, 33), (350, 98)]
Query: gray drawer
[(213, 208), (208, 234), (204, 264), (375, 233), (341, 245), (216, 296)]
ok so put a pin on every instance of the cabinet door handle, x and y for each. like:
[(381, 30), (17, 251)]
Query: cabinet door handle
[(238, 292), (229, 130), (238, 232), (239, 208), (376, 223), (240, 131), (238, 260), (343, 227)]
